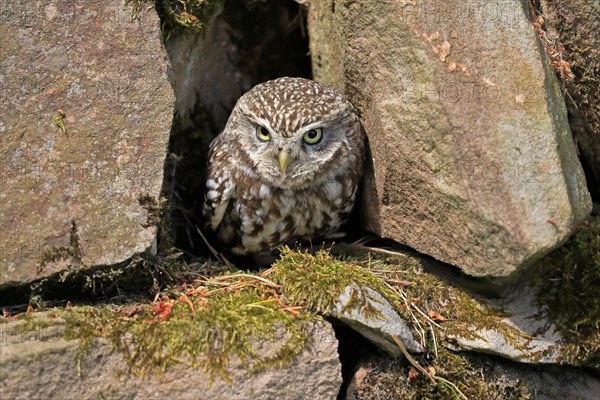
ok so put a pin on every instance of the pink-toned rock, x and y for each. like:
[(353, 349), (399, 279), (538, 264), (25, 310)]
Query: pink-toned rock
[(86, 113), (40, 364), (474, 162)]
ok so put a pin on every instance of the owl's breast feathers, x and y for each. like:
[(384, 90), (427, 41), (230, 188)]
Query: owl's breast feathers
[(253, 217)]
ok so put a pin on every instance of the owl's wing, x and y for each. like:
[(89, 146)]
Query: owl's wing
[(219, 184)]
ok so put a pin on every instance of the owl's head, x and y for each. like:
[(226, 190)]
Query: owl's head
[(294, 132)]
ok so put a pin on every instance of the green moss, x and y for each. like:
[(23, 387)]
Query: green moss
[(225, 316), (467, 317), (190, 16), (178, 16), (204, 329), (316, 281), (229, 315), (568, 293)]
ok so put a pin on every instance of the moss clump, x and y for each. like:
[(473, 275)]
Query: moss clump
[(210, 320), (466, 316), (190, 16), (316, 281), (415, 290), (568, 292), (178, 16), (204, 327)]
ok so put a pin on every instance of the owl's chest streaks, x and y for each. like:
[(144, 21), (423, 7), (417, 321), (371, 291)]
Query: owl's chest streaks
[(260, 218)]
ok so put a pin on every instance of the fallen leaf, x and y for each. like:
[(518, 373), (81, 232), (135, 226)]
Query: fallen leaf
[(184, 299), (436, 316), (162, 311)]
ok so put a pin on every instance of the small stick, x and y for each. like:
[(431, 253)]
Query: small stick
[(214, 252)]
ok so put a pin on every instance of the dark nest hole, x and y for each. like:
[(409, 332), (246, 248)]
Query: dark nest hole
[(353, 350), (239, 46)]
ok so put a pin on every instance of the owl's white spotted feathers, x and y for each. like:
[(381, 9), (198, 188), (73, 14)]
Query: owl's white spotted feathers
[(286, 167)]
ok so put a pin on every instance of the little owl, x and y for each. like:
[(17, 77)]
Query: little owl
[(286, 167)]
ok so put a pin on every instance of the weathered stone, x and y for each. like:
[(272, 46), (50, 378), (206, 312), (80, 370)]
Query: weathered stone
[(377, 329), (41, 364), (520, 333), (70, 196), (474, 163), (576, 25)]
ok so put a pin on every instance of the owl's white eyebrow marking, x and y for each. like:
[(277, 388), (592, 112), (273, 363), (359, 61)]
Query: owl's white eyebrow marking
[(262, 122)]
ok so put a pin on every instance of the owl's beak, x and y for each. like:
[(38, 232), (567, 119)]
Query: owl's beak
[(284, 160)]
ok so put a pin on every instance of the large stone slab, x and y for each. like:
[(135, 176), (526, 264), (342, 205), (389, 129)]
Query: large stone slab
[(38, 363), (474, 162), (520, 333), (69, 197)]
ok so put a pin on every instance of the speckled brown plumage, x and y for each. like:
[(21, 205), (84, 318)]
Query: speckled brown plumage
[(263, 193)]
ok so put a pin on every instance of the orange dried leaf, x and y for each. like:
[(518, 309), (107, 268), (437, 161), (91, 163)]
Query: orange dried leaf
[(436, 316), (162, 311), (184, 299)]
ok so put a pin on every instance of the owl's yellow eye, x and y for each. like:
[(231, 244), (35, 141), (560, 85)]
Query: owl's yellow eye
[(263, 134), (313, 136)]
